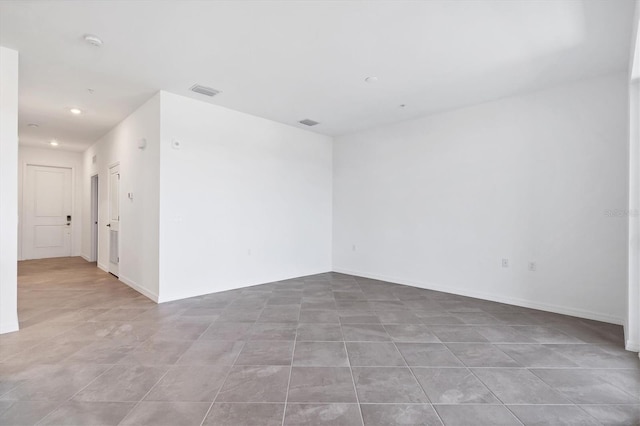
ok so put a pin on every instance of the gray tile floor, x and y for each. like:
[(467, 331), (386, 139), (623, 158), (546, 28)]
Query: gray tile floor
[(319, 350)]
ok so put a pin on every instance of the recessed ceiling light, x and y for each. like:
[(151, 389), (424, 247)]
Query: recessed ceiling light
[(53, 142), (33, 125), (371, 79), (93, 40), (75, 111)]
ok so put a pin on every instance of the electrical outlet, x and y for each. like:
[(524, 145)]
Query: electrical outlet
[(532, 266), (505, 263)]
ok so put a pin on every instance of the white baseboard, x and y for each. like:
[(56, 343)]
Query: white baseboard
[(139, 289), (9, 327), (244, 285), (564, 310), (85, 257), (632, 345), (103, 267)]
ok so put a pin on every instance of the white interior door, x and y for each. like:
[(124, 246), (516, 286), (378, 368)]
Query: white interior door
[(47, 210), (114, 219)]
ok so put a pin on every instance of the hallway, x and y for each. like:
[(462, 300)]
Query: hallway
[(324, 349)]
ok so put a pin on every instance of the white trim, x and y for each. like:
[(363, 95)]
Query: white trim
[(119, 231), (486, 296), (632, 323), (632, 345), (9, 327), (103, 267), (139, 289), (236, 287), (87, 258), (94, 238), (635, 35)]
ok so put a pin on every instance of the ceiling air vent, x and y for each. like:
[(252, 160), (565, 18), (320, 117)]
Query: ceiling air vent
[(308, 122), (203, 90)]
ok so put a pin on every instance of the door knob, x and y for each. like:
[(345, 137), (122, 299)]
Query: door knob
[(109, 225)]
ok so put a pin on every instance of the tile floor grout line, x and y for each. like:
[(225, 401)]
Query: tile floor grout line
[(612, 384), (96, 378), (469, 404), (73, 396), (513, 414), (205, 330), (88, 384), (506, 405), (353, 379), (184, 352), (47, 340), (293, 354), (418, 382), (144, 396), (50, 412), (244, 342), (580, 407), (590, 369), (470, 370)]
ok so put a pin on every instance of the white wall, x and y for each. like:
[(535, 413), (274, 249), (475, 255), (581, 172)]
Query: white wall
[(243, 201), (8, 190), (55, 158), (438, 201), (139, 171)]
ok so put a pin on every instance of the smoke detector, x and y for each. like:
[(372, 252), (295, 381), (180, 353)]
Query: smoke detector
[(204, 90), (93, 40), (308, 122)]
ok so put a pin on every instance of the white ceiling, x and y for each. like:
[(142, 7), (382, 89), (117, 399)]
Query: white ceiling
[(291, 60)]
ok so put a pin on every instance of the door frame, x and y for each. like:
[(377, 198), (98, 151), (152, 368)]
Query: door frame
[(94, 183), (108, 200), (22, 201)]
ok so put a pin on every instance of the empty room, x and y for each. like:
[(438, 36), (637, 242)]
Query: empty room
[(270, 213)]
